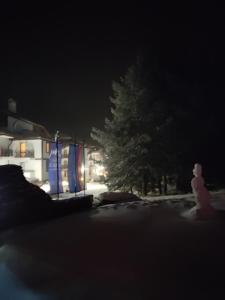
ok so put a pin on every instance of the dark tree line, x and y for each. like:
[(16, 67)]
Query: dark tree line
[(167, 114)]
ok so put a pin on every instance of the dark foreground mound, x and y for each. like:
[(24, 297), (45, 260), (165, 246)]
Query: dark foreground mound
[(22, 202)]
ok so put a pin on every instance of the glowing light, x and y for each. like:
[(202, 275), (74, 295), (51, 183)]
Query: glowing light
[(46, 187), (27, 174), (99, 170), (83, 168)]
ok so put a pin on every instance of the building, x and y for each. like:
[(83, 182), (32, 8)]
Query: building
[(24, 143), (95, 169)]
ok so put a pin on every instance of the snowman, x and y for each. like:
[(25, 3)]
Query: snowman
[(202, 196)]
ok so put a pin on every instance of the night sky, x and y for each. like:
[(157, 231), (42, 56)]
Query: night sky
[(58, 61)]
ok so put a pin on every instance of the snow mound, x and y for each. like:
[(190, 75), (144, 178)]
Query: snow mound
[(116, 197)]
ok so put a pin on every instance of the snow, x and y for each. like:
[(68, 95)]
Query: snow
[(137, 250), (93, 188), (189, 197)]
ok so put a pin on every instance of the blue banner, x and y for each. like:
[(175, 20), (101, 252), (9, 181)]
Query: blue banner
[(71, 168), (54, 180)]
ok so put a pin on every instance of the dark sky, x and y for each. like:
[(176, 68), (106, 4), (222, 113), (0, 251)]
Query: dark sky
[(59, 60)]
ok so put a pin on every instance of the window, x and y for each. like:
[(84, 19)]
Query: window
[(47, 147), (22, 149)]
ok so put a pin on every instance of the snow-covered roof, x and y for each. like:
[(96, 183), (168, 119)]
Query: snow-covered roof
[(38, 129)]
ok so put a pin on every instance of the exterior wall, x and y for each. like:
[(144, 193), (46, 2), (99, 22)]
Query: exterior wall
[(31, 148), (32, 168), (35, 164), (65, 153), (45, 169), (45, 159), (4, 160), (16, 125), (45, 154), (35, 160), (95, 169)]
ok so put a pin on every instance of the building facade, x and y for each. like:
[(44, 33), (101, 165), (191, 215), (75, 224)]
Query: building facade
[(24, 143), (95, 169), (27, 144)]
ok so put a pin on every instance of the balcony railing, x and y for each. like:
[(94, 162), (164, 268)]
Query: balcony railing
[(64, 166), (6, 152), (29, 154), (64, 155)]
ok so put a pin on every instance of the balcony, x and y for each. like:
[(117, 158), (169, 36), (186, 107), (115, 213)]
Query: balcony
[(27, 154), (65, 154), (5, 152), (64, 165)]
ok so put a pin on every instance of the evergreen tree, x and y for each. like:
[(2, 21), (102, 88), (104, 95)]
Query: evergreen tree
[(135, 140)]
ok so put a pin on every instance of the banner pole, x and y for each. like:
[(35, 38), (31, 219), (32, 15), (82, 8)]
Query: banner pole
[(75, 154), (57, 161), (84, 162)]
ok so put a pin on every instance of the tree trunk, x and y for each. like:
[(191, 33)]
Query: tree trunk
[(145, 185), (164, 184), (183, 183), (152, 185), (160, 185)]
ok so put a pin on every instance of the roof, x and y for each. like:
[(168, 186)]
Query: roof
[(6, 133), (38, 129)]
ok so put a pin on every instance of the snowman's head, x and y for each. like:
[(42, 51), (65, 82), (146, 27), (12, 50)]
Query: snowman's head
[(197, 171)]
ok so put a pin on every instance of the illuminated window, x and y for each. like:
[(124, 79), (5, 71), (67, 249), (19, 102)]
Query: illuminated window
[(47, 148), (22, 149)]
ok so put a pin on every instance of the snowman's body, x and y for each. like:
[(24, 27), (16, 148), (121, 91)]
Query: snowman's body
[(202, 196)]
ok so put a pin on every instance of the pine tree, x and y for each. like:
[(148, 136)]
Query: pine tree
[(134, 142)]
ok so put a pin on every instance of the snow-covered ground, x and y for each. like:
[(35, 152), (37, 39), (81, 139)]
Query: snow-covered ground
[(93, 188), (96, 189), (132, 251)]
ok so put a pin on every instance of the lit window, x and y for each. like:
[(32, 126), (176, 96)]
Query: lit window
[(22, 149), (47, 147)]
